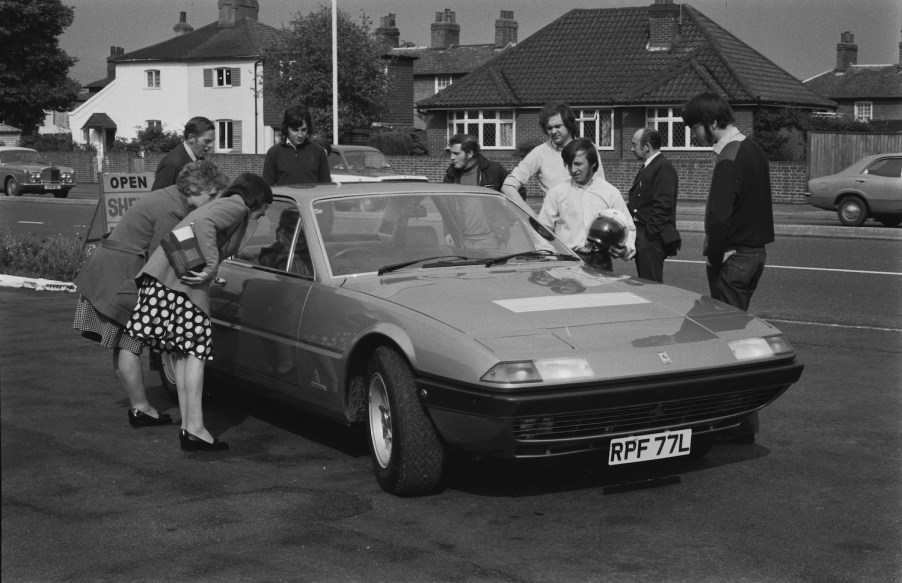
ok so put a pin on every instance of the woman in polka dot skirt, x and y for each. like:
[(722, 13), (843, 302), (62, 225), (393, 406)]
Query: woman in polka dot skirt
[(173, 315)]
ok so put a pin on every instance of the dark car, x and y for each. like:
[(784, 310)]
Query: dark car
[(446, 317), (25, 170), (869, 188)]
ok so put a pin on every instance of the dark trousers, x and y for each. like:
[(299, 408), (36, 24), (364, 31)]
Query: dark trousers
[(734, 283), (650, 254), (736, 280)]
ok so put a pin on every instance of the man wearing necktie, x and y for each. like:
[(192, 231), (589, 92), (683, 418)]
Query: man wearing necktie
[(652, 204)]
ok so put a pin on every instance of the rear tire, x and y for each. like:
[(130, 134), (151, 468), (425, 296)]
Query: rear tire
[(852, 211), (408, 457)]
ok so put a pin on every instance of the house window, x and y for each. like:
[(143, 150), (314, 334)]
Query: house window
[(675, 135), (596, 125), (225, 136), (154, 124), (223, 77), (153, 78), (494, 128), (864, 111), (442, 81)]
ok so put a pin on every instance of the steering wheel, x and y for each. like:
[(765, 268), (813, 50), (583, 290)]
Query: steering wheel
[(352, 251)]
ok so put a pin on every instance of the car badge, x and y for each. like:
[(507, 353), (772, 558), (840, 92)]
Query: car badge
[(664, 358)]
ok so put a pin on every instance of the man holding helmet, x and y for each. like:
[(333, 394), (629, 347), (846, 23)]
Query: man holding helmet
[(571, 208)]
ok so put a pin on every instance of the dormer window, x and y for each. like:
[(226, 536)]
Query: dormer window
[(442, 81)]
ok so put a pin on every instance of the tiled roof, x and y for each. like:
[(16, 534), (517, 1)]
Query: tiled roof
[(245, 39), (859, 81), (599, 57), (451, 61)]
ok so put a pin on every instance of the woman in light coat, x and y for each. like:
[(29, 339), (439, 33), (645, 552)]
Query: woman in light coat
[(106, 282)]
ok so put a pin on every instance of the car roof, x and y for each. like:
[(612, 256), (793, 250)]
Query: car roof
[(306, 192), (352, 148), (11, 148)]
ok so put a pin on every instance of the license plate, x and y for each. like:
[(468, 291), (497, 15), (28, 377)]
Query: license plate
[(52, 186), (654, 446)]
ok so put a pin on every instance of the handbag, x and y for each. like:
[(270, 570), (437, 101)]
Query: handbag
[(182, 250)]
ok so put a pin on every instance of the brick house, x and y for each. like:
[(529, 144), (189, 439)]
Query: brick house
[(445, 61), (871, 93), (620, 69)]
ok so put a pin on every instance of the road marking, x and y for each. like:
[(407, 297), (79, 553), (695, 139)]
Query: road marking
[(847, 326), (768, 266), (30, 222)]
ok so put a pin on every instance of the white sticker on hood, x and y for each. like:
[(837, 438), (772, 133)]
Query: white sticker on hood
[(548, 303)]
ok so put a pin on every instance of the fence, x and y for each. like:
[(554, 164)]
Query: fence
[(830, 153), (789, 179)]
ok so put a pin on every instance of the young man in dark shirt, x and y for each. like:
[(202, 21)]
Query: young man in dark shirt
[(297, 159), (739, 219)]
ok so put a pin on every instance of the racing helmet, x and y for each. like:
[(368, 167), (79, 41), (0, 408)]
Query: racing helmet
[(606, 231)]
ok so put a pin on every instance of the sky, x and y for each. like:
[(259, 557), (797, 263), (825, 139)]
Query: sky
[(798, 35)]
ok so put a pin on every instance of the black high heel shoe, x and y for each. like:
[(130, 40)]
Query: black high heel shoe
[(194, 443), (138, 418)]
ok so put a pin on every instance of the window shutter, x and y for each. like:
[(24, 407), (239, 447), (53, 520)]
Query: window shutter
[(236, 77), (236, 133), (208, 77)]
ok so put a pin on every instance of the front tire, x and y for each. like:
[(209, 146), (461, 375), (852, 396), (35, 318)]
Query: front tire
[(852, 211), (12, 187), (408, 457), (63, 193)]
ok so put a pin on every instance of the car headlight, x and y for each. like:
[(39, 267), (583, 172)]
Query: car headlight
[(753, 348), (34, 176), (537, 371)]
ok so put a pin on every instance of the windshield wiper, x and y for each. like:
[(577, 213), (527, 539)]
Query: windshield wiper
[(541, 253), (396, 266)]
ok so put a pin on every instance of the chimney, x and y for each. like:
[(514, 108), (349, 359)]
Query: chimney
[(110, 66), (664, 25), (231, 11), (505, 29), (388, 34), (846, 51), (445, 32), (182, 26)]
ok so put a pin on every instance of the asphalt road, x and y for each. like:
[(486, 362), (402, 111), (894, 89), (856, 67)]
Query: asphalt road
[(817, 499)]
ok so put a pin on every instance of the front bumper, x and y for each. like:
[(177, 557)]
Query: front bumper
[(571, 419)]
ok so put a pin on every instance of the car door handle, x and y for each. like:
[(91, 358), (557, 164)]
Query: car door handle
[(219, 282)]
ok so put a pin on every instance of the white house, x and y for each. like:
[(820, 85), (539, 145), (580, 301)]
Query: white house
[(214, 71)]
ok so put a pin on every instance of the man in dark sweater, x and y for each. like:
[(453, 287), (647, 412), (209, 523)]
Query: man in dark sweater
[(297, 159), (739, 219)]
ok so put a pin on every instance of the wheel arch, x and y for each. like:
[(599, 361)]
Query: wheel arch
[(355, 385), (846, 193)]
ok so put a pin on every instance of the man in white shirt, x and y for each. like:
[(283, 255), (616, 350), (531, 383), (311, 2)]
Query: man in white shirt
[(571, 207), (544, 161)]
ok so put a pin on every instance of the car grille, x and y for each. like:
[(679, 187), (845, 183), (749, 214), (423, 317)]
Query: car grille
[(50, 175), (619, 420)]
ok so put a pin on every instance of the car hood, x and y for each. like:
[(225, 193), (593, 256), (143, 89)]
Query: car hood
[(564, 309)]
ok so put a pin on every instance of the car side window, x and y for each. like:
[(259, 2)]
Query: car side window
[(335, 162), (889, 167), (279, 241)]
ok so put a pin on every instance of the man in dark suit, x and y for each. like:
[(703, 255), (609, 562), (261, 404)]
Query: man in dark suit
[(652, 204), (199, 136)]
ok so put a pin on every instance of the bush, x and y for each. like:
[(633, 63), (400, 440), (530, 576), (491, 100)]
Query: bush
[(405, 142), (54, 143), (57, 258)]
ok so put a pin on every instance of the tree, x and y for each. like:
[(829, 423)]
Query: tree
[(34, 70), (299, 70)]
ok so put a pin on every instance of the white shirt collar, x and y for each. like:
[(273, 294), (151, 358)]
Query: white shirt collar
[(731, 135), (650, 158), (190, 151)]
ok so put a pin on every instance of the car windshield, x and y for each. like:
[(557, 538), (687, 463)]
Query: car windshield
[(22, 157), (392, 232), (360, 159)]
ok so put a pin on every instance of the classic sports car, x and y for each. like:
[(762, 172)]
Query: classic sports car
[(24, 170), (451, 319), (871, 187)]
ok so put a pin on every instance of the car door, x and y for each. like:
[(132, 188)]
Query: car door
[(883, 185), (257, 304)]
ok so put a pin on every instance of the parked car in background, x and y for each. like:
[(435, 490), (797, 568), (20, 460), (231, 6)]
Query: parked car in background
[(364, 164), (25, 170), (869, 188), (447, 317)]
